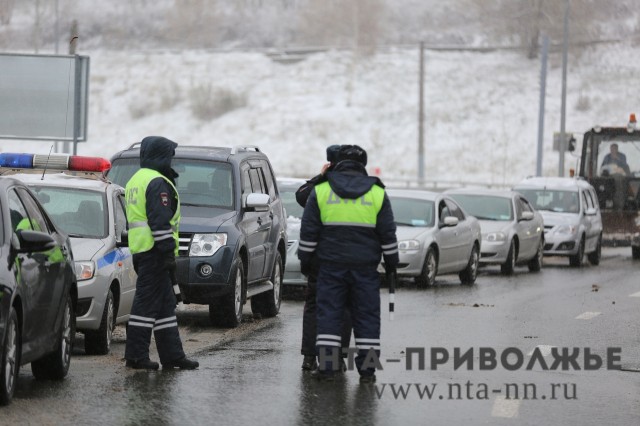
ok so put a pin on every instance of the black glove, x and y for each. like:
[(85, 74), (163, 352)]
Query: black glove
[(305, 268), (169, 263), (389, 269)]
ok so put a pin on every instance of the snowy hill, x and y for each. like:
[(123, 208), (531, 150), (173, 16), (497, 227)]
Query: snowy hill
[(481, 108)]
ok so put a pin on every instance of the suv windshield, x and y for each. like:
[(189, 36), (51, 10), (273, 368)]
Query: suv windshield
[(552, 200), (200, 183), (80, 213)]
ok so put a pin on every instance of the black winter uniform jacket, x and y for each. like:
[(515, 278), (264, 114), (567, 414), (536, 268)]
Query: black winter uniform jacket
[(348, 246)]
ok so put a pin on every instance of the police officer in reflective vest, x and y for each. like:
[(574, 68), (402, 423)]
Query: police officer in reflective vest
[(348, 224), (153, 214)]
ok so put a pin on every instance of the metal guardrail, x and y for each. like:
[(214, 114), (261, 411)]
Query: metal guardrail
[(440, 185)]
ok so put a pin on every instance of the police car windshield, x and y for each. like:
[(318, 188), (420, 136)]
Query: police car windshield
[(412, 212), (80, 213), (485, 207)]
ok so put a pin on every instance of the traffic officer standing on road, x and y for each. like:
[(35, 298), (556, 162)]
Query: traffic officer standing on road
[(309, 327), (153, 214), (348, 224)]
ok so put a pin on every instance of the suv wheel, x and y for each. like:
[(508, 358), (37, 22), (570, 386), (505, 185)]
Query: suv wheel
[(98, 342), (227, 311), (10, 358), (55, 366), (267, 304)]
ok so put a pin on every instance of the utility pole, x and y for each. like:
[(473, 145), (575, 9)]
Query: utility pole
[(565, 42), (421, 117), (543, 92), (73, 44)]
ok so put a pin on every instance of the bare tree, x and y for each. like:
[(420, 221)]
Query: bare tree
[(6, 11)]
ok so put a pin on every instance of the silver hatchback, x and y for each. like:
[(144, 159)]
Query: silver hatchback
[(571, 214)]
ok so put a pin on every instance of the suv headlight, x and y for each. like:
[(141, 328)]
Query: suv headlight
[(409, 245), (494, 236), (85, 270), (207, 244), (567, 230)]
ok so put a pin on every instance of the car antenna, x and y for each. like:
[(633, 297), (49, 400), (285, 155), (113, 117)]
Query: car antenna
[(46, 163)]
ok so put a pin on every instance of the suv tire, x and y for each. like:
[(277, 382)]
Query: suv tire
[(595, 256), (227, 311), (577, 259), (267, 304)]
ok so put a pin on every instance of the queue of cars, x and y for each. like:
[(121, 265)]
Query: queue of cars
[(460, 230)]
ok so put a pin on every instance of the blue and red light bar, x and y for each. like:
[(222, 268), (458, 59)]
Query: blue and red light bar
[(76, 163)]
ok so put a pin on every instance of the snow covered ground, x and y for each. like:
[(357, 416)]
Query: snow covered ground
[(481, 108)]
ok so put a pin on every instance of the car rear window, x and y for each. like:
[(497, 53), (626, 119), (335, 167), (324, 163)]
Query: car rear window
[(412, 212)]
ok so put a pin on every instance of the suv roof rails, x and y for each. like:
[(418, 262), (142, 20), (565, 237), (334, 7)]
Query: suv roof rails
[(238, 148), (135, 145)]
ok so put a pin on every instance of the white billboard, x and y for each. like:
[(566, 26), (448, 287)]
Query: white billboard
[(44, 97)]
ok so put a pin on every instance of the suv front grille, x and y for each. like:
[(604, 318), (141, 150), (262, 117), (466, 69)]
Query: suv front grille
[(184, 241)]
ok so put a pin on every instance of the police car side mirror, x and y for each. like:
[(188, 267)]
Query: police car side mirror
[(124, 239)]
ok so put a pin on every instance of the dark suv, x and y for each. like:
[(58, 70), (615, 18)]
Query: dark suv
[(233, 241)]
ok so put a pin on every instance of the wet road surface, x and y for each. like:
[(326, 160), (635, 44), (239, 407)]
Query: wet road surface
[(255, 377)]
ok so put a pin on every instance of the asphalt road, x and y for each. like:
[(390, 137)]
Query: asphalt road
[(252, 374)]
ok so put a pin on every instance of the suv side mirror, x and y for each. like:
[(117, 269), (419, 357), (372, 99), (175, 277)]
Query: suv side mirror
[(526, 215), (258, 202)]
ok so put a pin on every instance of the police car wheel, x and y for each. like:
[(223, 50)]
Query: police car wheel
[(98, 342), (10, 358), (55, 366)]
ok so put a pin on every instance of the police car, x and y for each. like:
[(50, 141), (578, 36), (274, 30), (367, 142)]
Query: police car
[(91, 210)]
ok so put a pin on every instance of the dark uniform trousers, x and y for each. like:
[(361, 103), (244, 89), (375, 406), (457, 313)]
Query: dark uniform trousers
[(154, 309), (360, 288), (309, 327)]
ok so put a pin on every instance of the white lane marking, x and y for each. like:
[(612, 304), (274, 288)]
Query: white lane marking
[(588, 315), (635, 294), (503, 407), (545, 350)]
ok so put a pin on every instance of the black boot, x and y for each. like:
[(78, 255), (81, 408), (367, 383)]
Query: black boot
[(309, 363), (142, 364), (182, 363)]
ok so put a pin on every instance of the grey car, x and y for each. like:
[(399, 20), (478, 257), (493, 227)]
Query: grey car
[(90, 209), (571, 213), (512, 230), (435, 237), (288, 188)]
